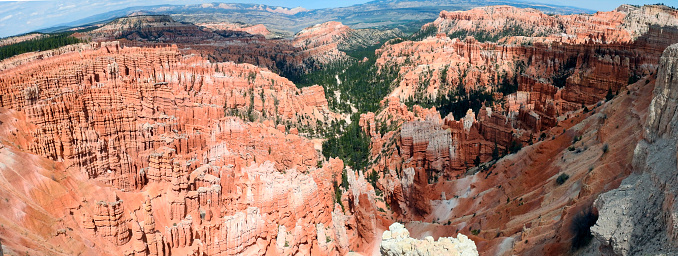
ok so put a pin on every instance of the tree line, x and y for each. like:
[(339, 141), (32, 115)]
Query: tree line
[(44, 43)]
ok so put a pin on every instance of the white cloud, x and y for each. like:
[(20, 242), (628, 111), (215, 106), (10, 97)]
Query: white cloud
[(6, 17)]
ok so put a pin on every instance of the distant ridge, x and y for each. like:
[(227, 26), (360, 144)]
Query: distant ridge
[(288, 21)]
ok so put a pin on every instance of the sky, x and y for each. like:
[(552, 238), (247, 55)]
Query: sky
[(17, 17)]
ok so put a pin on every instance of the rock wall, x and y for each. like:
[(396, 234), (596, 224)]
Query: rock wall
[(601, 27), (640, 216)]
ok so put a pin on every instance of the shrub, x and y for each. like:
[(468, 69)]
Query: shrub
[(515, 146), (609, 94), (337, 194), (575, 139), (605, 148), (633, 79), (562, 178), (581, 228), (475, 232)]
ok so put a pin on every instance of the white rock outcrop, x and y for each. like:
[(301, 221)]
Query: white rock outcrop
[(397, 241)]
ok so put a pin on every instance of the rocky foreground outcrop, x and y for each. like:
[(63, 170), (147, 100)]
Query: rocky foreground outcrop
[(641, 216), (397, 241)]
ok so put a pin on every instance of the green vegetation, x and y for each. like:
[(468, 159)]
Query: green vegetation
[(576, 138), (337, 194), (485, 36), (424, 32), (562, 178), (633, 79), (565, 71), (352, 146), (337, 188), (515, 146), (361, 84), (509, 86), (456, 101), (360, 89), (609, 94), (47, 42)]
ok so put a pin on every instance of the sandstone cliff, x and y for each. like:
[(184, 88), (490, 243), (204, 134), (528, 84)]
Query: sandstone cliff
[(622, 25)]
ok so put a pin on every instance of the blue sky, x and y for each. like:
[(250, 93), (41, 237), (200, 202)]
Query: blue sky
[(18, 17)]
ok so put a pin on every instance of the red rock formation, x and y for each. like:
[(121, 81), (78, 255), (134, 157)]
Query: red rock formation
[(622, 25), (258, 29), (149, 123), (551, 79), (321, 41), (109, 223), (422, 182), (517, 200)]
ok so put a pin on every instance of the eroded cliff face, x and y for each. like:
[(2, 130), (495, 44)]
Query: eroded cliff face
[(550, 79), (515, 206), (640, 216), (140, 151), (224, 42), (326, 42), (440, 172), (499, 21), (622, 25), (552, 82)]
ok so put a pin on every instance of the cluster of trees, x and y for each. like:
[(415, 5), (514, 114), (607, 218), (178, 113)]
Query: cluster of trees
[(456, 101), (352, 146), (44, 43), (565, 71), (485, 36), (360, 83), (424, 32)]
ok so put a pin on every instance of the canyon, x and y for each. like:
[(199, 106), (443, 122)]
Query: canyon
[(503, 131)]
